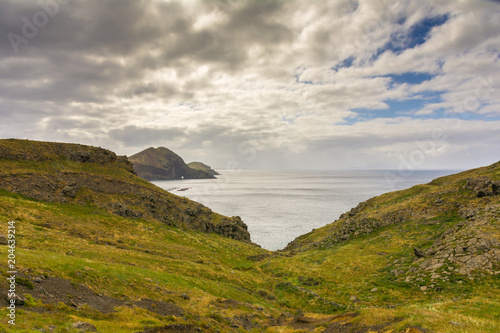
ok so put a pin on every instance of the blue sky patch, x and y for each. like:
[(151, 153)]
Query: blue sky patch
[(414, 36), (419, 32), (410, 77), (397, 108), (407, 108), (346, 63)]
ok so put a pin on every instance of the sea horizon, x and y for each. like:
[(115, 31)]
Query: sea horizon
[(280, 205)]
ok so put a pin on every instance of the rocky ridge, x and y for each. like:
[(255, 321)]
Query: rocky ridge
[(465, 207), (82, 175)]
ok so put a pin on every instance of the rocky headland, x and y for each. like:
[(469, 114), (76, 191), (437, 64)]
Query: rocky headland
[(163, 164)]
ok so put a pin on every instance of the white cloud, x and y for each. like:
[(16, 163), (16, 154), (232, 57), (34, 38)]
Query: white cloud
[(206, 78)]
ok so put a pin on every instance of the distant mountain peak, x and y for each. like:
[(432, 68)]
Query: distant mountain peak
[(163, 164)]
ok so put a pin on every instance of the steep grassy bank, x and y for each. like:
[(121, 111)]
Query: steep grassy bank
[(83, 175), (125, 259), (432, 250)]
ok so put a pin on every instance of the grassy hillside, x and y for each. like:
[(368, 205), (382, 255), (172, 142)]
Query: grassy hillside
[(386, 266), (431, 251), (83, 175), (125, 259)]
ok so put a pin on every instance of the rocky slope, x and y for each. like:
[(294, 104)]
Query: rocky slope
[(203, 167), (163, 164), (464, 207), (84, 175)]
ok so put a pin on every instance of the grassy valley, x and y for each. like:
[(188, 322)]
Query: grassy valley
[(97, 244)]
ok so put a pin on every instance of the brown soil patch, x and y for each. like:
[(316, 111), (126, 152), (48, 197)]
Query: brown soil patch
[(53, 290)]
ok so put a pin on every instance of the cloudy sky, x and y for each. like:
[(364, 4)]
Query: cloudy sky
[(258, 84)]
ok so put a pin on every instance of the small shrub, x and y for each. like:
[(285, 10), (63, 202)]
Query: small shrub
[(309, 281), (217, 317), (29, 301), (265, 294), (25, 282)]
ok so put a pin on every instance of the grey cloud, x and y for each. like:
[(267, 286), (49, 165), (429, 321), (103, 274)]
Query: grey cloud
[(142, 136), (256, 23), (84, 49), (129, 74), (113, 27), (77, 123), (227, 43), (95, 46)]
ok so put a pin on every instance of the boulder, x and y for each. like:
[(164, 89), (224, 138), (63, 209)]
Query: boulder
[(419, 253), (3, 240), (70, 190), (482, 186), (84, 326)]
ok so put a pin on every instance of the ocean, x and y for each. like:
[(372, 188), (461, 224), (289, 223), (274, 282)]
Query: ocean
[(279, 206)]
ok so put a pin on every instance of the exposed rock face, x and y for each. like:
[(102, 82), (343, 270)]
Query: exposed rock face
[(231, 228), (163, 164), (71, 190), (462, 250), (125, 195), (356, 223), (56, 290), (83, 326), (483, 186)]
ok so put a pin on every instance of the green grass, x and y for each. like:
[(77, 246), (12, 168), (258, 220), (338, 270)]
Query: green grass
[(134, 258), (129, 259)]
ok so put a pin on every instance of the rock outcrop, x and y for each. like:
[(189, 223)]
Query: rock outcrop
[(462, 250), (483, 186), (465, 210)]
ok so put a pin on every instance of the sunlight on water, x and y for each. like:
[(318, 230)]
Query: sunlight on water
[(279, 206)]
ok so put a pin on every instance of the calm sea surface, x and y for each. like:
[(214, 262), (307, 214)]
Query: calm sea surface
[(279, 206)]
